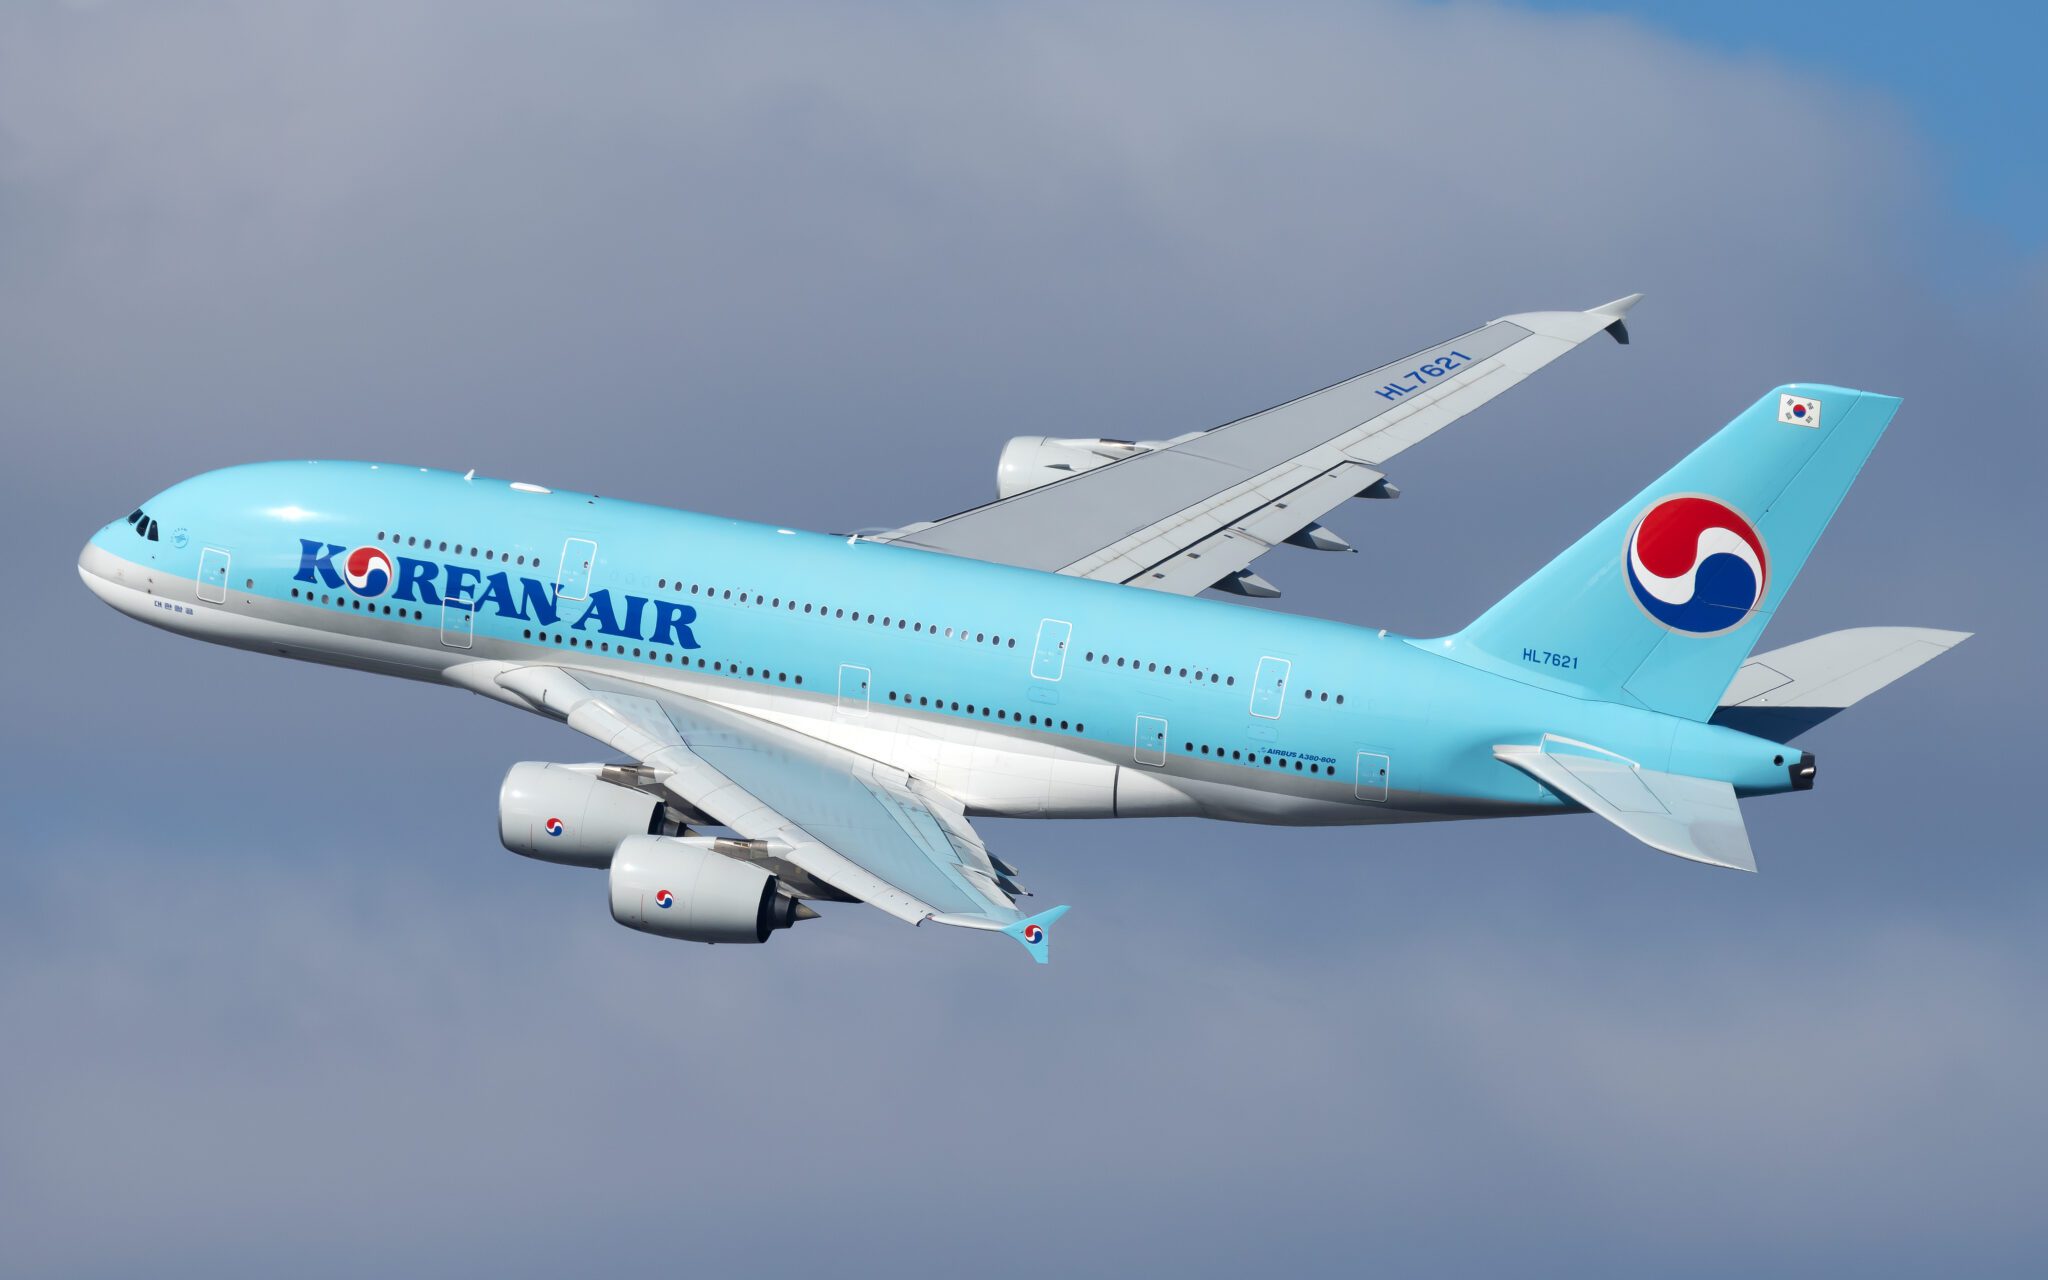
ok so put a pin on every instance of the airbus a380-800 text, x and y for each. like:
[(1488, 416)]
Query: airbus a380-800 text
[(788, 717)]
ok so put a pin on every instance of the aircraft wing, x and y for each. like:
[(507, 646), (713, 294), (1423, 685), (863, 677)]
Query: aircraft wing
[(851, 823), (1196, 512)]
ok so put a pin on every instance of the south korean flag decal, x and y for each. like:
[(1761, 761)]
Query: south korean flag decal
[(1799, 411)]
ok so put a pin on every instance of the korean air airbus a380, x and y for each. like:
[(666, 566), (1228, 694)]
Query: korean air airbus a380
[(790, 717)]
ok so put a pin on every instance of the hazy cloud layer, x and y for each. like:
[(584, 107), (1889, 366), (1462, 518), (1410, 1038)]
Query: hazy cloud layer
[(273, 996)]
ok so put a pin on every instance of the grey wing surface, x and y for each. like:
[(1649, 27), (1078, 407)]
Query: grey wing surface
[(1196, 512), (861, 827), (1698, 819), (1785, 692)]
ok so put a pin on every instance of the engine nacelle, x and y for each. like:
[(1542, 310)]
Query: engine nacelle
[(1032, 462), (676, 887), (565, 813)]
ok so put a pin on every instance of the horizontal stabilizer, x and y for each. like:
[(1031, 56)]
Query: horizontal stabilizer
[(1781, 694), (1693, 818)]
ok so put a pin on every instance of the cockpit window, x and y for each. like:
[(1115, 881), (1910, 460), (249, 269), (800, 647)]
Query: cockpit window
[(143, 524), (135, 515), (152, 530)]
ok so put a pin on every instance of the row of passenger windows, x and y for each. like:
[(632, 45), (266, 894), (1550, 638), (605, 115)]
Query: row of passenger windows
[(792, 605), (839, 614), (143, 524), (721, 667), (347, 602), (428, 544), (1014, 717), (824, 611), (1253, 757), (668, 656), (977, 637), (1137, 664)]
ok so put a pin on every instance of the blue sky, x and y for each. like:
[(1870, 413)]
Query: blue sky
[(275, 1000), (1968, 75)]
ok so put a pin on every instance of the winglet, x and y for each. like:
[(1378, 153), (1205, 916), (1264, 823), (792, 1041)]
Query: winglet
[(1619, 310), (1035, 932)]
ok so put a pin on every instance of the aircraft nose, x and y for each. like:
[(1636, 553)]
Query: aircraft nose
[(101, 571)]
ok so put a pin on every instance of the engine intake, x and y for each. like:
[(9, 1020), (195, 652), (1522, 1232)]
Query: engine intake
[(566, 813), (676, 887)]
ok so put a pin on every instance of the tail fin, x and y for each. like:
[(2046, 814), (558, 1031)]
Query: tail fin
[(1660, 603)]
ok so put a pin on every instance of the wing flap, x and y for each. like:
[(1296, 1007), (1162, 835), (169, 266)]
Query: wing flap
[(1219, 538), (1694, 818)]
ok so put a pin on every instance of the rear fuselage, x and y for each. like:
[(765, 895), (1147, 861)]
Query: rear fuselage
[(1022, 693)]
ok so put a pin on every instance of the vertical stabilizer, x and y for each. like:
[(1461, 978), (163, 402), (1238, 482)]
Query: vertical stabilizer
[(1661, 602)]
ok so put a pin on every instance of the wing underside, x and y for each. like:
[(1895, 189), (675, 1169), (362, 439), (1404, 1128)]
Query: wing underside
[(863, 828)]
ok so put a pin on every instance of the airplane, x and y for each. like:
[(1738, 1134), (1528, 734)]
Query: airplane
[(790, 718)]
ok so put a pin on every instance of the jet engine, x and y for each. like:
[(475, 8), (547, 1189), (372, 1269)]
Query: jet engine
[(569, 814), (1032, 462), (678, 888)]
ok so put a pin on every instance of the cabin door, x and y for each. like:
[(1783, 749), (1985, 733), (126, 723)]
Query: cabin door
[(1049, 655), (1372, 776), (213, 575), (1269, 688), (1148, 741), (458, 623), (579, 559), (853, 689)]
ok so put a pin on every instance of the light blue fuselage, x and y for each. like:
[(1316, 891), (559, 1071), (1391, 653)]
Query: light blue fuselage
[(1154, 705)]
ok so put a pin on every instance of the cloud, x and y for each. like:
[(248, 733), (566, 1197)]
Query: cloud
[(274, 996), (367, 1067)]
